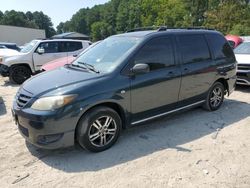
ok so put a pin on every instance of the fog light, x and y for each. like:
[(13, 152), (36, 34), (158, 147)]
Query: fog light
[(47, 139)]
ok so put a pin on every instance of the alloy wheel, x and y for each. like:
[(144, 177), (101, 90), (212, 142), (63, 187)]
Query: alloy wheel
[(102, 131), (216, 97)]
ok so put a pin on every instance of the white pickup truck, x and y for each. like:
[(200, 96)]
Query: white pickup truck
[(21, 66)]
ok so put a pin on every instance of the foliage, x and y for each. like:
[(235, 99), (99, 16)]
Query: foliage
[(241, 30), (230, 16), (100, 30), (36, 20), (116, 16)]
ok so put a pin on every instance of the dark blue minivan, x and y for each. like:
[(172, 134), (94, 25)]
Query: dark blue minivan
[(125, 80)]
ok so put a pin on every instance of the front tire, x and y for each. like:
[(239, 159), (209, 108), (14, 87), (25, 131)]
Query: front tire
[(99, 129), (215, 97), (18, 74)]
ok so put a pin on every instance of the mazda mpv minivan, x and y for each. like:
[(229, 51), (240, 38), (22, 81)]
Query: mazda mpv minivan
[(125, 80)]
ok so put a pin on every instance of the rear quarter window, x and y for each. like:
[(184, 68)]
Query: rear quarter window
[(74, 46), (220, 46), (231, 43)]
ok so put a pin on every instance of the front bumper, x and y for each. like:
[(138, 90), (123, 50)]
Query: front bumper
[(45, 129), (243, 77), (4, 70)]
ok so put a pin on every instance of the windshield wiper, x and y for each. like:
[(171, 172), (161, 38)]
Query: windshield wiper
[(78, 66), (89, 67)]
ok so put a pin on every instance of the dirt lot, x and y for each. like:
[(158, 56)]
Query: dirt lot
[(191, 149)]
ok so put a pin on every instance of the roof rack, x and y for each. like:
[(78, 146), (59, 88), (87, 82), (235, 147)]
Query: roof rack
[(165, 28), (197, 27), (144, 28)]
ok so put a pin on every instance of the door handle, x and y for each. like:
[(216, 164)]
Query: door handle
[(185, 69)]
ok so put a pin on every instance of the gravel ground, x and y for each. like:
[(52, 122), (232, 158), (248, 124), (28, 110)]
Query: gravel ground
[(191, 149)]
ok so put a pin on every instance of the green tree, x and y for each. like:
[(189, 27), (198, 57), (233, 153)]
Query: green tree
[(15, 19), (29, 16), (36, 20), (240, 29), (149, 12), (122, 16), (60, 28), (231, 15), (78, 22), (172, 13), (100, 30), (44, 22), (1, 16), (196, 8)]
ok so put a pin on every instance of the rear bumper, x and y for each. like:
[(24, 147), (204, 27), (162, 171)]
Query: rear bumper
[(243, 77), (4, 70)]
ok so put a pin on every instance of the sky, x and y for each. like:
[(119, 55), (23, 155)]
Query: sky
[(57, 10)]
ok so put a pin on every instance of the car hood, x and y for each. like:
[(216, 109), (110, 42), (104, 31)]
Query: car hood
[(57, 63), (56, 79), (243, 58), (8, 52)]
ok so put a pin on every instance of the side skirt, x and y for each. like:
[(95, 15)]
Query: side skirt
[(166, 113)]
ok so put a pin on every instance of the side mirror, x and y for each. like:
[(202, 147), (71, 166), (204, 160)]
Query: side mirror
[(40, 51), (140, 68)]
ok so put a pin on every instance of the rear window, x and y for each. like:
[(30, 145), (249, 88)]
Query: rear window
[(220, 46), (194, 48)]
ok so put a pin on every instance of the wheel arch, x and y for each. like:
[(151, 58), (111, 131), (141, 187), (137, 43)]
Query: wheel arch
[(22, 64), (110, 104), (225, 84)]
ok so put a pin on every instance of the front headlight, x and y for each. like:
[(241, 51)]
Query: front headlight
[(52, 103)]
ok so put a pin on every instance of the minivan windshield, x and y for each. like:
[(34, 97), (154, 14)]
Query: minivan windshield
[(244, 48), (28, 47), (106, 55)]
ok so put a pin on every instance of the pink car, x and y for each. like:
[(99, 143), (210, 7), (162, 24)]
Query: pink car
[(64, 60), (234, 40), (57, 63)]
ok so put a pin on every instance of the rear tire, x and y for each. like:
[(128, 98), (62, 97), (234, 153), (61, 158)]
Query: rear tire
[(215, 97), (18, 74), (99, 129)]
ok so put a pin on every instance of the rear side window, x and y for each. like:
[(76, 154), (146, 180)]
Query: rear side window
[(158, 53), (220, 46), (74, 46), (194, 48), (62, 47)]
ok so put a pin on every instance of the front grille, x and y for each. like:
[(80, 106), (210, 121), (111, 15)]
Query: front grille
[(22, 98), (241, 74), (24, 130), (244, 67)]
